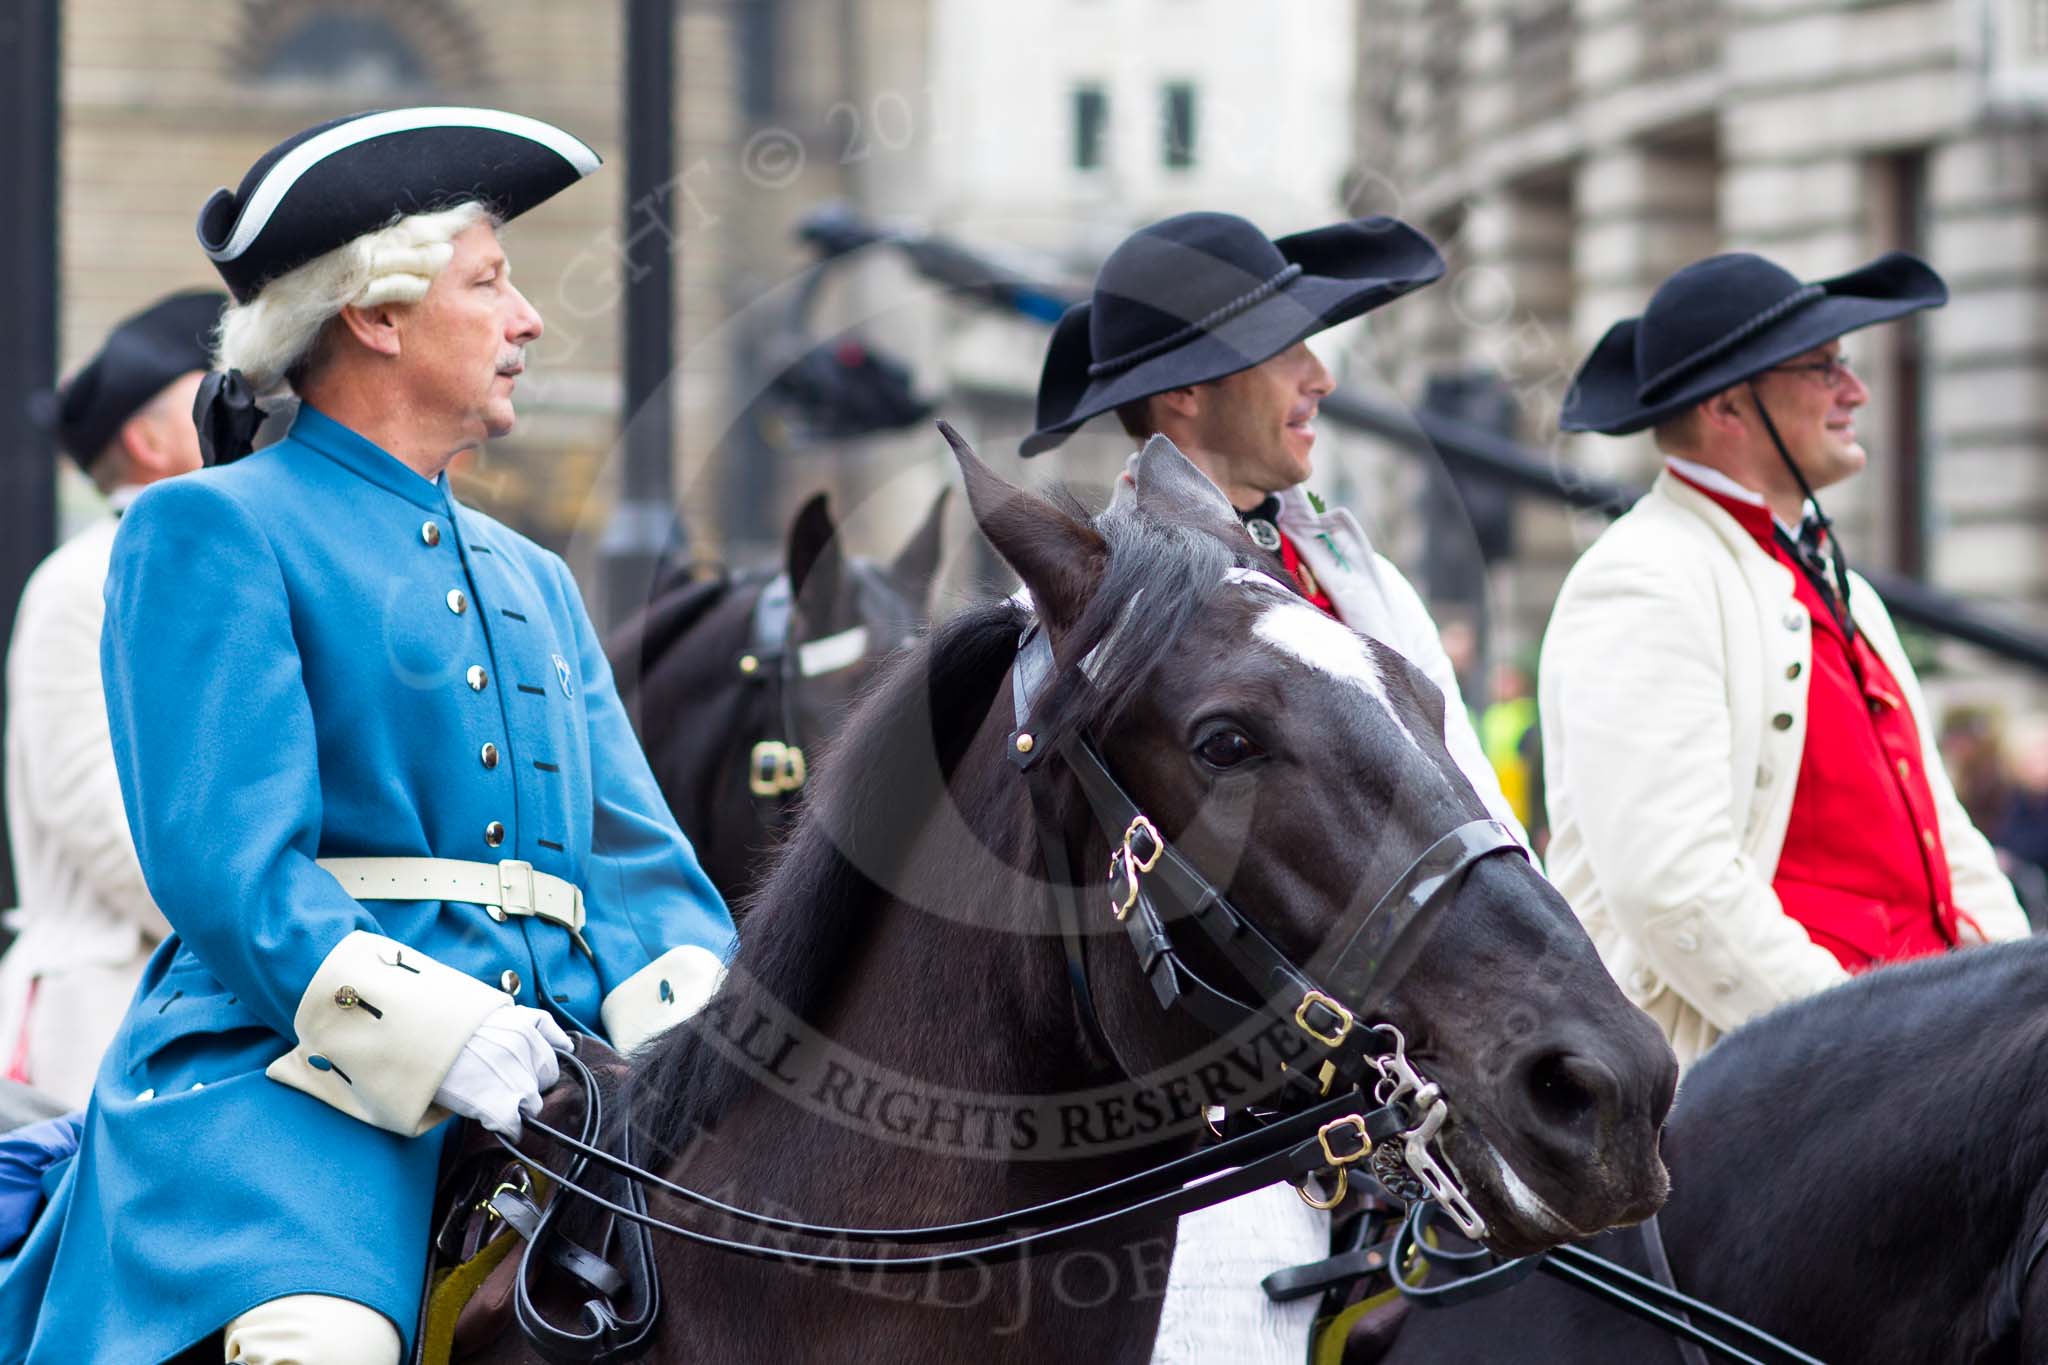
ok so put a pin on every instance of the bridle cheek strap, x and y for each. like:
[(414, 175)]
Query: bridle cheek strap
[(1151, 885)]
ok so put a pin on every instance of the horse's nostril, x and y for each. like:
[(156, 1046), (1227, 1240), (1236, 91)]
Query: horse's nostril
[(1568, 1089)]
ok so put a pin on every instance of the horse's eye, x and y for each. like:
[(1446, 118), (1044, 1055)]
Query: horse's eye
[(1227, 749)]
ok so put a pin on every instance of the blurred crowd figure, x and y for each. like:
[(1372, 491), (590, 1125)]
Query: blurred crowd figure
[(86, 923), (2000, 772), (1502, 702)]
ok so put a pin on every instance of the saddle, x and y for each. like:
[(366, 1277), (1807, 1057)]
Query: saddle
[(499, 1240)]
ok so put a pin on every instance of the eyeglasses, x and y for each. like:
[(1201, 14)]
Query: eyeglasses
[(1834, 371)]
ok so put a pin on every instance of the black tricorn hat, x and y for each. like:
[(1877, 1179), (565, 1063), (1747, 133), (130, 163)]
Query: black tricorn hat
[(1203, 295), (325, 187), (170, 338), (1729, 318)]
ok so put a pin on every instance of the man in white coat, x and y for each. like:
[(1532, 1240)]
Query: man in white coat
[(1197, 329), (86, 922), (1746, 802)]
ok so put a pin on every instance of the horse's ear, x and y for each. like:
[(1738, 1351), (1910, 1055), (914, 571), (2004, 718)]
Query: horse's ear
[(1058, 556), (813, 558), (1169, 486), (917, 563)]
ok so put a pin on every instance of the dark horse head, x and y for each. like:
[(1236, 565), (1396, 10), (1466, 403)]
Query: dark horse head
[(899, 1042), (1303, 768), (737, 681)]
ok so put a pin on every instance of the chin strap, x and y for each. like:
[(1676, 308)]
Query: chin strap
[(1820, 521)]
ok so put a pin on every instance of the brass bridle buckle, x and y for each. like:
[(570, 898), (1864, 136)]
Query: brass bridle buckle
[(1345, 1019), (775, 768), (1127, 864), (1340, 1162), (1356, 1124)]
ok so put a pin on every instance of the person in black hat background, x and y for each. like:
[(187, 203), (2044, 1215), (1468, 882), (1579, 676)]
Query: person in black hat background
[(380, 782), (1745, 797), (1198, 329), (86, 922)]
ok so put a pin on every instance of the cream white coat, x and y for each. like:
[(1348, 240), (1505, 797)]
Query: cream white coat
[(86, 921), (1676, 652)]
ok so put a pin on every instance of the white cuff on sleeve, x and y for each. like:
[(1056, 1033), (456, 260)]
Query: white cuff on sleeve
[(665, 992), (378, 1029)]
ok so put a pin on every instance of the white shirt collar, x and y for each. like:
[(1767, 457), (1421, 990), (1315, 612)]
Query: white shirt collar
[(122, 495), (1714, 481)]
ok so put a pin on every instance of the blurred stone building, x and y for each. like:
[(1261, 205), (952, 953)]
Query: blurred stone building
[(164, 101), (167, 100), (1571, 153), (1061, 126)]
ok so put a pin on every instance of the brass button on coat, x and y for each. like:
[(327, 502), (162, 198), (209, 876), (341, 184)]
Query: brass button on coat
[(494, 834), (477, 677), (430, 534), (1794, 620), (457, 603), (509, 983), (496, 912), (1792, 670), (488, 756), (1782, 721), (347, 998)]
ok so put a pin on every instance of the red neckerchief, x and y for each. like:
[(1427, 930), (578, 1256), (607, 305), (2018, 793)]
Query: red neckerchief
[(1304, 577)]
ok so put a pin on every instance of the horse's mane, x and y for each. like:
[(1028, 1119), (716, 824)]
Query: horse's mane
[(868, 801)]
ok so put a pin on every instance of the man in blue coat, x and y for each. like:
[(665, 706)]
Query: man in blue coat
[(380, 783)]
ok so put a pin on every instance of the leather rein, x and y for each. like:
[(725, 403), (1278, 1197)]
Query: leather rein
[(1357, 1094), (1658, 1301)]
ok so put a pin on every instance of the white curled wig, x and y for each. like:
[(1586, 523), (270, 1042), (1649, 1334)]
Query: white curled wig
[(273, 337)]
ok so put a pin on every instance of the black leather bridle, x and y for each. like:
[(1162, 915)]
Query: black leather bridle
[(1153, 887), (1359, 1098), (774, 658)]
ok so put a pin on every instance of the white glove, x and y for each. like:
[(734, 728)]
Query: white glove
[(503, 1068)]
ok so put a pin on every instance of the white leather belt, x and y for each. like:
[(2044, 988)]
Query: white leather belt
[(503, 889)]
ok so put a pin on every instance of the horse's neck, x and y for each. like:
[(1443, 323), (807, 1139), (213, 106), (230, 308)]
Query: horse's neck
[(947, 1048), (928, 1087)]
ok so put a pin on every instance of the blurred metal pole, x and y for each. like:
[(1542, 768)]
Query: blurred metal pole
[(28, 277), (644, 516)]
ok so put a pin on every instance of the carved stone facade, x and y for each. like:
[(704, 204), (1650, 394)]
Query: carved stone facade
[(1571, 153)]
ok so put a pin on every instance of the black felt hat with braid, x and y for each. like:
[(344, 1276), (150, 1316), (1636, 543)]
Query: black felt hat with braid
[(1724, 321)]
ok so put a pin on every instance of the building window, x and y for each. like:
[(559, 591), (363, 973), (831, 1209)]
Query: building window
[(1177, 146), (1091, 127), (1898, 364), (359, 48), (758, 33)]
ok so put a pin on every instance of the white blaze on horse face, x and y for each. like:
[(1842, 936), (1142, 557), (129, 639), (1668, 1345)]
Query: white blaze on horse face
[(1330, 647)]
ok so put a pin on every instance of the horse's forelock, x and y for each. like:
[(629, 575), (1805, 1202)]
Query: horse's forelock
[(1159, 576)]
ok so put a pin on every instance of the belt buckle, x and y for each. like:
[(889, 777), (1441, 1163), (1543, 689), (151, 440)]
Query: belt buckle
[(515, 886)]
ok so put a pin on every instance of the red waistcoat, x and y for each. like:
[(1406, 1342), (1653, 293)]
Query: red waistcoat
[(1862, 869)]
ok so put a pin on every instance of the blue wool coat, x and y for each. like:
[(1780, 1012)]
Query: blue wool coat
[(306, 654)]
